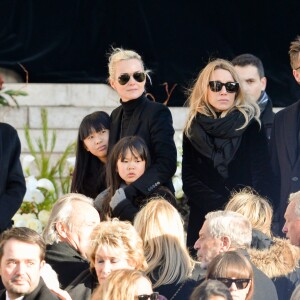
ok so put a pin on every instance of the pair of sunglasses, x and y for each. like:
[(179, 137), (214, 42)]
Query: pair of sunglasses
[(241, 283), (153, 296), (231, 87), (137, 76)]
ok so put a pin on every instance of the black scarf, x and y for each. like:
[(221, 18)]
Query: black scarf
[(218, 139)]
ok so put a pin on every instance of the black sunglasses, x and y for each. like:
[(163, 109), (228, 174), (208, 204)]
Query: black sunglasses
[(231, 87), (137, 76), (153, 296), (241, 283)]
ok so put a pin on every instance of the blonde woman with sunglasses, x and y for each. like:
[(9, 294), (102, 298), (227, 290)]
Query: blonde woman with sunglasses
[(137, 115), (224, 146)]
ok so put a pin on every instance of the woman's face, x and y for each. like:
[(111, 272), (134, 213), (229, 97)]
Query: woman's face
[(239, 294), (97, 143), (108, 260), (223, 100), (132, 89), (131, 167)]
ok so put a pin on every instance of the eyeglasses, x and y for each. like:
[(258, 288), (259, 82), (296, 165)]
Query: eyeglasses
[(241, 283), (153, 296), (231, 87), (137, 76)]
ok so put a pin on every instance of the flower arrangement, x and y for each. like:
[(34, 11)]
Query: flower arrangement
[(45, 179)]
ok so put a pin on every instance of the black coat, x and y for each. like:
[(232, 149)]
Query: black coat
[(207, 190), (40, 293), (12, 182), (151, 121), (285, 158), (66, 262)]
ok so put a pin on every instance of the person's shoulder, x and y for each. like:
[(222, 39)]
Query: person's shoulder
[(287, 110)]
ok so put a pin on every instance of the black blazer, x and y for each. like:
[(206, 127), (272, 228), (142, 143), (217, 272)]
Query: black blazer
[(12, 182), (151, 121), (285, 158), (40, 293), (66, 262)]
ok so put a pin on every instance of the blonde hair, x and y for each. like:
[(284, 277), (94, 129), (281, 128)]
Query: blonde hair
[(198, 98), (161, 228), (119, 235), (294, 53), (119, 54), (120, 284), (231, 264), (255, 208)]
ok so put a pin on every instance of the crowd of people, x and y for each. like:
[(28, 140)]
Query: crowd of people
[(118, 233)]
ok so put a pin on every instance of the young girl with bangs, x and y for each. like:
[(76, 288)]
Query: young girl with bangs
[(92, 144), (127, 162)]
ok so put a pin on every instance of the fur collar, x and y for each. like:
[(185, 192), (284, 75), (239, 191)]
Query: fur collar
[(279, 260)]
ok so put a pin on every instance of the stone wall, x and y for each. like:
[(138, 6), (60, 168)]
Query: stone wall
[(66, 105)]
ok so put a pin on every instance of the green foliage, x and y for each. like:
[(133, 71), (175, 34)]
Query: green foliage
[(47, 168), (7, 95)]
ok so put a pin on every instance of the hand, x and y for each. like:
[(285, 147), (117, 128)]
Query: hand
[(117, 198)]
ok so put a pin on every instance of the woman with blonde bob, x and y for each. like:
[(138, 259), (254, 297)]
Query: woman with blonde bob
[(114, 245), (235, 271), (161, 228), (223, 145), (125, 285)]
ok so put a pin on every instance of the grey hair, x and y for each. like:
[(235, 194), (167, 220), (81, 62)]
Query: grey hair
[(61, 212), (232, 224), (296, 198)]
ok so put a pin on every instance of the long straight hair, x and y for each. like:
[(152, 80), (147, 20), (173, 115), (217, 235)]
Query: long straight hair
[(85, 161)]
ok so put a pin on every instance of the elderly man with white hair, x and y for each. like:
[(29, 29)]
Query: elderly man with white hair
[(73, 218), (291, 227), (230, 231)]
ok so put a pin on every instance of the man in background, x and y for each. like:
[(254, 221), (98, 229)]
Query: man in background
[(252, 78)]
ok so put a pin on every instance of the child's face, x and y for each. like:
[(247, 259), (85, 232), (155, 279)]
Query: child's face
[(131, 168), (97, 143)]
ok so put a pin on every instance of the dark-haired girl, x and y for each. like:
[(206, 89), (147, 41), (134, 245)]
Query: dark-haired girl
[(127, 162), (92, 144)]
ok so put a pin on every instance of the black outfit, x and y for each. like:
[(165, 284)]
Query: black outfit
[(83, 286), (12, 182), (285, 156), (127, 209), (151, 121), (66, 262), (217, 160), (40, 293), (94, 182), (266, 113), (279, 260)]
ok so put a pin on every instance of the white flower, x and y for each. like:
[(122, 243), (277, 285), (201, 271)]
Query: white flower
[(26, 162), (43, 216), (71, 161), (34, 195), (177, 182), (35, 224), (46, 184)]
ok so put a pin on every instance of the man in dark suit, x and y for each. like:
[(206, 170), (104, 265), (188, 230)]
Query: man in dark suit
[(22, 253), (230, 231), (12, 182), (285, 145)]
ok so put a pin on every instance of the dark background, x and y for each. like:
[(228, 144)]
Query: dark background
[(66, 41)]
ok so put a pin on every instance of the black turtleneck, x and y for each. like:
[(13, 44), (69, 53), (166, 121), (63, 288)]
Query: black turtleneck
[(128, 109)]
